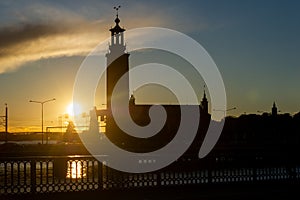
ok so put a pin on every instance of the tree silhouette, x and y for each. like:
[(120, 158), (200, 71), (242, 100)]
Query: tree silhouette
[(71, 133)]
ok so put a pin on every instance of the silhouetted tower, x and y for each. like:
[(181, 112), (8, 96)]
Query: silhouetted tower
[(132, 100), (117, 67), (274, 109), (132, 107), (204, 104), (117, 61)]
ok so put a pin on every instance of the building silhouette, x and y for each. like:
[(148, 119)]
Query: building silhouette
[(117, 67), (250, 131), (274, 109)]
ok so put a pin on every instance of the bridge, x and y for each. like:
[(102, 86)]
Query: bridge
[(83, 176)]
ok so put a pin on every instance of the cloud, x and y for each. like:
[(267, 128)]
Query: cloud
[(40, 31), (31, 42)]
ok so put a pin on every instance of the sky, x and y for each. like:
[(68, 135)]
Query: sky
[(255, 45)]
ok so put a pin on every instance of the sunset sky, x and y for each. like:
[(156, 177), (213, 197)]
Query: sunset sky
[(255, 44)]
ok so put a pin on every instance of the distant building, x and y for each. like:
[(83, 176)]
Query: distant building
[(274, 109), (249, 131), (204, 104)]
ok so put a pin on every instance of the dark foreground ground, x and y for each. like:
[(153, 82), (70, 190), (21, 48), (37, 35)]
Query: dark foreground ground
[(278, 190), (252, 190)]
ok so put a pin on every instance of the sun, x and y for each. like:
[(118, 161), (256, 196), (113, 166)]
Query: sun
[(70, 110), (73, 109)]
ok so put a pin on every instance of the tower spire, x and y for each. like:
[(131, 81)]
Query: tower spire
[(117, 29), (204, 94), (204, 103), (274, 109), (117, 45)]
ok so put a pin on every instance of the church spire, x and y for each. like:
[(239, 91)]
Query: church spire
[(204, 95), (132, 100), (204, 103), (274, 109)]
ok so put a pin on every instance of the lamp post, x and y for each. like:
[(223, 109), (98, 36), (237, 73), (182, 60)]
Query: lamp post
[(6, 122), (42, 104)]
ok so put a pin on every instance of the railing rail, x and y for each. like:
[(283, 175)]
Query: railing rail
[(30, 175)]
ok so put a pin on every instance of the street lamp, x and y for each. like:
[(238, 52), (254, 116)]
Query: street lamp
[(42, 104), (5, 121)]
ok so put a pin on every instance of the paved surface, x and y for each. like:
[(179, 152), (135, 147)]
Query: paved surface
[(283, 191)]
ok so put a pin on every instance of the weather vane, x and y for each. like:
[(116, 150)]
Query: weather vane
[(117, 9)]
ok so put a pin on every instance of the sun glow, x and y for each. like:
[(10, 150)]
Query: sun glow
[(73, 109), (76, 169)]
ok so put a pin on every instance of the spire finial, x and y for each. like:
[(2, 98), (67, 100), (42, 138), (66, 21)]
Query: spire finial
[(117, 9)]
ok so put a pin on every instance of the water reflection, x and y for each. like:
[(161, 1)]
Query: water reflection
[(76, 169)]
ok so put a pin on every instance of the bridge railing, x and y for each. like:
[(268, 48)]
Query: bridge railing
[(21, 175)]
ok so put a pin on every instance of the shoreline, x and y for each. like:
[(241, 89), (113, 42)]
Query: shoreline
[(12, 149)]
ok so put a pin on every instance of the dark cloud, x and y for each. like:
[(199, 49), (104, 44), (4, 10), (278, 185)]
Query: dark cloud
[(30, 42), (11, 36)]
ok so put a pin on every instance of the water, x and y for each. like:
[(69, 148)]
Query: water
[(32, 142)]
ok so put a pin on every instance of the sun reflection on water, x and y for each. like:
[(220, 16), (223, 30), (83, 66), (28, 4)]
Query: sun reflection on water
[(76, 169)]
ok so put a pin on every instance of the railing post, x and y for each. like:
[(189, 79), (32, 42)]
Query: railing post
[(255, 169), (158, 180), (292, 172), (254, 173), (210, 169), (33, 175), (5, 173), (100, 175)]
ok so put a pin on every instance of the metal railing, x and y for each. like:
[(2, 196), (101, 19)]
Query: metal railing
[(31, 175)]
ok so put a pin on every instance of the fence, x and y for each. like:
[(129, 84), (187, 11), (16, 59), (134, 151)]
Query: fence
[(31, 175)]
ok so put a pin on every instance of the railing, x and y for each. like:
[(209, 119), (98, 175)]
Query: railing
[(33, 175)]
